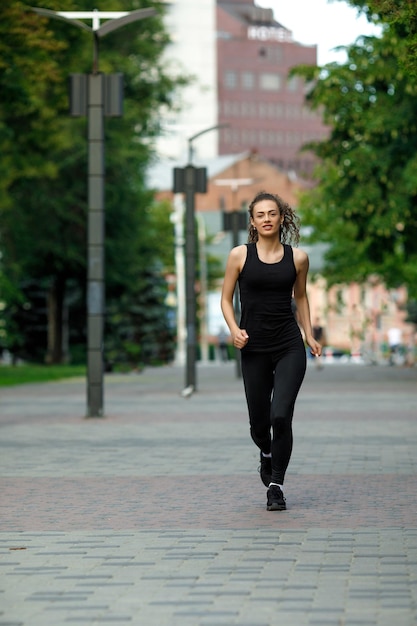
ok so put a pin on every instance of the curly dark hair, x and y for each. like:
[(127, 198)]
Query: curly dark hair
[(290, 229)]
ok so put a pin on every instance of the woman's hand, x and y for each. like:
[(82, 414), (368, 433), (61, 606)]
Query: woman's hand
[(315, 347), (240, 338)]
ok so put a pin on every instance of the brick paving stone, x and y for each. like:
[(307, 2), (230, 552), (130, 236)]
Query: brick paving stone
[(156, 515)]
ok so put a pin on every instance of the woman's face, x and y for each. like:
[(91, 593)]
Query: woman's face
[(266, 218)]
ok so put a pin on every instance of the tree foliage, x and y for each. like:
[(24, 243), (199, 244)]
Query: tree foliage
[(364, 204), (43, 190), (401, 18)]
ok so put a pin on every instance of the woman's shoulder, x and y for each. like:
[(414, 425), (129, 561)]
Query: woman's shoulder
[(239, 251), (300, 257), (299, 252), (237, 256)]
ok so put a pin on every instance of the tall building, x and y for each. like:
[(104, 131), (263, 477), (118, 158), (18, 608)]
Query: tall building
[(264, 108), (191, 25), (240, 57)]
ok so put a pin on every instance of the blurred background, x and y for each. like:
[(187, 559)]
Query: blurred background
[(227, 87)]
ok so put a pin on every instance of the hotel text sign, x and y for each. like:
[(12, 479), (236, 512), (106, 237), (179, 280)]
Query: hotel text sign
[(268, 33)]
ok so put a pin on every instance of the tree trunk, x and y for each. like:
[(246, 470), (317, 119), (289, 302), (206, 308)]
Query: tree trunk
[(57, 351)]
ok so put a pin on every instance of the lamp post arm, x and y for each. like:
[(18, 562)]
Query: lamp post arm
[(202, 132), (57, 16), (133, 16), (110, 26)]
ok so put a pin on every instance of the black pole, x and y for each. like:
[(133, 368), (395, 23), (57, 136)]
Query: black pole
[(190, 273), (95, 272), (189, 181)]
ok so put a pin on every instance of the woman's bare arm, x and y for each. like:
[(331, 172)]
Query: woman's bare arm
[(301, 299), (234, 266)]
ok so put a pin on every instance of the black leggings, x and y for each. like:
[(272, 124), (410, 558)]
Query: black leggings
[(272, 382)]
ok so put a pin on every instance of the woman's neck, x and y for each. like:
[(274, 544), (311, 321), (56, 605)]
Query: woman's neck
[(269, 245), (270, 251)]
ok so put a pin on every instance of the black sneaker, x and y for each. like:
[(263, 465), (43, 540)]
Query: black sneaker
[(265, 469), (275, 499)]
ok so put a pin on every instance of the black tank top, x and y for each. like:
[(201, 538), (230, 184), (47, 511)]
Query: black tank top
[(265, 298)]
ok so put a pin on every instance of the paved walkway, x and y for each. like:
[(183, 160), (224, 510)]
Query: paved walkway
[(155, 515)]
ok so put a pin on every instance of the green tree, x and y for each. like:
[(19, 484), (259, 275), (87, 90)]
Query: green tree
[(401, 17), (364, 204), (140, 328), (43, 191), (30, 135)]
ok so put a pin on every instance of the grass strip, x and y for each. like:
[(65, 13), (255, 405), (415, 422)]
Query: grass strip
[(31, 373)]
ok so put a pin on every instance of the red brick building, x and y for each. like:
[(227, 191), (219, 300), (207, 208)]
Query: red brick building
[(263, 107)]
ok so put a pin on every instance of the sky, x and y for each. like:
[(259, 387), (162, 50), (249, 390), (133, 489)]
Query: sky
[(327, 23)]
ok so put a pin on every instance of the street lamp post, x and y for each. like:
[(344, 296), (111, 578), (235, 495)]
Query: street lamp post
[(202, 257), (235, 221), (190, 180), (96, 95)]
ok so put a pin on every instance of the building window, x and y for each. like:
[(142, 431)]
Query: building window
[(278, 53), (230, 80), (270, 82), (279, 138), (245, 136), (248, 80), (244, 109), (227, 136), (292, 111), (223, 34), (279, 110), (271, 139), (231, 109), (271, 110), (293, 138), (292, 84), (262, 109), (272, 53)]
